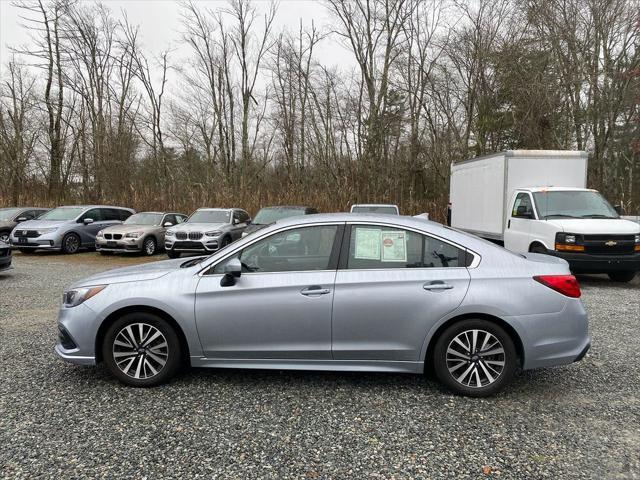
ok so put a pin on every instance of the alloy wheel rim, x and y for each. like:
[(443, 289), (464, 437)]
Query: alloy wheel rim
[(140, 351), (475, 358), (149, 246), (71, 243)]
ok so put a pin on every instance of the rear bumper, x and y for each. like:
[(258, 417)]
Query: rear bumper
[(585, 263), (553, 339)]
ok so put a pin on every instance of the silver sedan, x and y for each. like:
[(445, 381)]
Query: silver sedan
[(334, 292)]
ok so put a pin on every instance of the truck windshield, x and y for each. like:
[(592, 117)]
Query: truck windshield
[(573, 204)]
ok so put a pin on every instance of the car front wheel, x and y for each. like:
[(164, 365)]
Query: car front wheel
[(149, 246), (70, 243), (475, 358), (141, 350)]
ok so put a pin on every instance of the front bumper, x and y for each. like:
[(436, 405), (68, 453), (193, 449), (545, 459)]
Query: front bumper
[(207, 245), (78, 327), (586, 263), (43, 242), (123, 245)]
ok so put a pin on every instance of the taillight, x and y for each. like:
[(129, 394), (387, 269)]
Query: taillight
[(565, 284)]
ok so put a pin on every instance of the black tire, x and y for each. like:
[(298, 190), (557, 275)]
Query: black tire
[(537, 248), (622, 277), (225, 241), (172, 254), (442, 364), (149, 246), (71, 243), (172, 357)]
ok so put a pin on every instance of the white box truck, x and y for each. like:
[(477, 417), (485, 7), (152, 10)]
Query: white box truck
[(537, 201)]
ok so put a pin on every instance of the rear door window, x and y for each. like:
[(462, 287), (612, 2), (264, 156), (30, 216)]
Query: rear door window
[(381, 247)]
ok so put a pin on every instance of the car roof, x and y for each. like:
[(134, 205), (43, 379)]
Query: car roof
[(300, 207), (555, 189), (216, 209), (374, 205), (25, 208), (94, 206)]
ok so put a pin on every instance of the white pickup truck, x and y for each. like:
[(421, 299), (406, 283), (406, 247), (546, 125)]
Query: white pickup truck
[(537, 201)]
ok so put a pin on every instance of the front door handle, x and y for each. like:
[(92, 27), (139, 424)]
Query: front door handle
[(314, 290), (437, 285)]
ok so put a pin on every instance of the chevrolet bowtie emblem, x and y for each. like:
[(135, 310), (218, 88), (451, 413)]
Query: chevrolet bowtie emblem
[(611, 243)]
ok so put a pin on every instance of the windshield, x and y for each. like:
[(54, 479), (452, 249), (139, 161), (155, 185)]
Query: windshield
[(144, 219), (62, 213), (269, 215), (573, 204), (210, 216), (389, 209), (8, 213)]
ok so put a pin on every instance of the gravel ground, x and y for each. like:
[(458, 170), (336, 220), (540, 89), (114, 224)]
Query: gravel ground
[(578, 421)]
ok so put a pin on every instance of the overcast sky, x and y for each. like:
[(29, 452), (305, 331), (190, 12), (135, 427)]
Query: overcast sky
[(160, 26)]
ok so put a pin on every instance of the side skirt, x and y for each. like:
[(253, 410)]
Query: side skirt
[(302, 364)]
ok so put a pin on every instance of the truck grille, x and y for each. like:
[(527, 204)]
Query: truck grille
[(609, 244)]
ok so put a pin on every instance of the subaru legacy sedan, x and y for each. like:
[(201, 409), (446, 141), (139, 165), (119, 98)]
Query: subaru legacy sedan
[(333, 292), (67, 229)]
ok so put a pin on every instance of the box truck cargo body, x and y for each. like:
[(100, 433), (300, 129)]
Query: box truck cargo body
[(537, 201), (482, 187)]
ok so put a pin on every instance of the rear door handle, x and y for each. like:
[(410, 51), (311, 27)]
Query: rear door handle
[(438, 285), (315, 290)]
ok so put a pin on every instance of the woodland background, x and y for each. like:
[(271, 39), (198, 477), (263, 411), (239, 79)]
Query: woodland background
[(87, 114)]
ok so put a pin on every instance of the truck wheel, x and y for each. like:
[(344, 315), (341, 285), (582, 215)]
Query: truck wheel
[(622, 277), (537, 248)]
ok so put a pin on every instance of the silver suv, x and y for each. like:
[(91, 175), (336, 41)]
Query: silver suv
[(206, 231), (67, 229)]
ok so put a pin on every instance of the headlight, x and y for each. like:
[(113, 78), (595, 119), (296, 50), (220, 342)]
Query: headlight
[(133, 235), (43, 231), (75, 297), (637, 239), (100, 234), (569, 242), (170, 233), (214, 233)]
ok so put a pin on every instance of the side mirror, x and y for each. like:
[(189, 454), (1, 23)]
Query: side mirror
[(232, 270), (236, 221), (21, 219), (524, 212), (168, 224), (88, 221), (618, 208)]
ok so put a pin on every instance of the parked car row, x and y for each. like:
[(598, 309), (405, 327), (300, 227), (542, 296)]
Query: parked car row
[(111, 229)]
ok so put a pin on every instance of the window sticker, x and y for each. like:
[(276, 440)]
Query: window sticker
[(394, 246), (367, 243)]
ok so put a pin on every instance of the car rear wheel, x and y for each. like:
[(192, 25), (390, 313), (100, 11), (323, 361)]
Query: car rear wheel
[(475, 358), (172, 254), (70, 243), (622, 277), (141, 350), (149, 246)]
